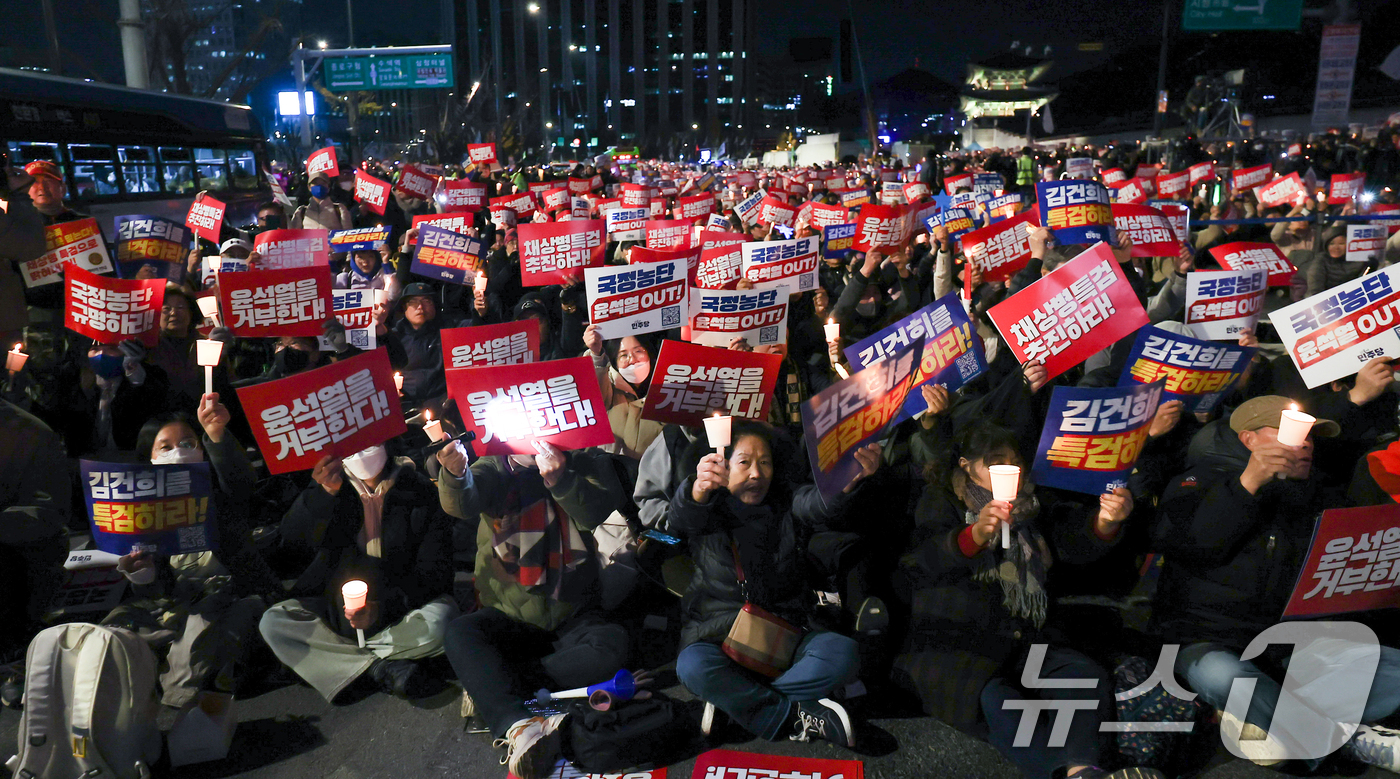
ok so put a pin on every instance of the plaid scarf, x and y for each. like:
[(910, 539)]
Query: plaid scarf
[(1020, 569), (536, 545)]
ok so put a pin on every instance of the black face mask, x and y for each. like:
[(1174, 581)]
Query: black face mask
[(289, 361)]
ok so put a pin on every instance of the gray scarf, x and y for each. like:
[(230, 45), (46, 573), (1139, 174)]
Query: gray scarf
[(1021, 569)]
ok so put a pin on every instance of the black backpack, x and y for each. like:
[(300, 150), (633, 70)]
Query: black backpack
[(631, 734)]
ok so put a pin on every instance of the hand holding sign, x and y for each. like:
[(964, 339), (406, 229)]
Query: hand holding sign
[(1114, 507), (868, 457), (328, 474)]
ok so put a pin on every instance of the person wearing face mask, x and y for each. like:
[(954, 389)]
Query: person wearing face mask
[(293, 356), (864, 307), (368, 270), (320, 211), (623, 367), (120, 390), (419, 332), (200, 611)]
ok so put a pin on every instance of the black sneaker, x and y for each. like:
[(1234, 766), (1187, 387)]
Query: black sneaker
[(1131, 772), (873, 618), (12, 690), (826, 719), (404, 678)]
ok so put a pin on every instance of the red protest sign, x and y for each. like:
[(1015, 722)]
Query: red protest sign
[(635, 195), (522, 203), (279, 249), (464, 196), (1350, 564), (719, 267), (951, 184), (1344, 187), (823, 216), (712, 239), (1201, 171), (883, 227), (1174, 186), (1003, 248), (915, 191), (580, 186), (1114, 176), (456, 222), (555, 252), (1246, 179), (335, 410), (481, 153), (1287, 190), (504, 343), (322, 162), (719, 763), (109, 310), (695, 207), (1151, 231), (509, 407), (556, 200), (641, 254), (371, 191), (693, 381), (775, 212), (206, 218), (270, 303), (1066, 316), (415, 183), (1130, 191), (668, 233), (1247, 255)]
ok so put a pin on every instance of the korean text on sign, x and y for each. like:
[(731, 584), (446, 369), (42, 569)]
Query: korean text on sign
[(883, 227), (165, 509), (260, 303), (695, 381), (1075, 211), (143, 237), (371, 191), (837, 240), (554, 253), (503, 343), (1220, 305), (1151, 232), (446, 255), (110, 310), (1353, 564), (639, 298), (1092, 437), (756, 315), (206, 218), (1332, 334), (511, 407), (1001, 249), (292, 249), (767, 261), (359, 239), (719, 267), (1198, 373), (78, 243), (355, 309)]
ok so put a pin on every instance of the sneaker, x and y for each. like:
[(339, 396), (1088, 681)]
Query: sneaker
[(407, 679), (826, 719), (1255, 742), (532, 746), (1377, 746), (1131, 772), (468, 705), (12, 690), (873, 618)]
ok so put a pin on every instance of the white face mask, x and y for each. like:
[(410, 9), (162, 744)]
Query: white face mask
[(366, 463), (347, 185), (179, 456), (636, 373)]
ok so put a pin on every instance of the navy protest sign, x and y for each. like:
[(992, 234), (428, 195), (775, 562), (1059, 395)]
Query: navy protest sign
[(166, 509), (1198, 373), (1092, 437)]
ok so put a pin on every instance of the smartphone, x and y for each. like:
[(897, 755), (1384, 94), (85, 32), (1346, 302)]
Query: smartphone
[(657, 535)]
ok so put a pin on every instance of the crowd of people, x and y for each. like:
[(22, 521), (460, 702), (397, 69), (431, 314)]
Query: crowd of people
[(900, 581)]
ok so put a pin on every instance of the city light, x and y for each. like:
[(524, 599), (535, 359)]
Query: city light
[(534, 8), (549, 125), (322, 44)]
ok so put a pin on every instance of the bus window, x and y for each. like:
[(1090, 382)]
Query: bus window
[(139, 171), (213, 176), (244, 168), (94, 170), (22, 154), (177, 169)]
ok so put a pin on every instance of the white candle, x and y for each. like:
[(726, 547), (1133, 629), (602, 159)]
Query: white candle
[(398, 382), (207, 353), (355, 593), (479, 283), (833, 330), (380, 296), (209, 306), (1006, 482), (717, 429), (1293, 427), (15, 359), (433, 427)]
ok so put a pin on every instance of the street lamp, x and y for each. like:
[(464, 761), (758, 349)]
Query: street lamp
[(534, 8), (322, 44), (549, 125)]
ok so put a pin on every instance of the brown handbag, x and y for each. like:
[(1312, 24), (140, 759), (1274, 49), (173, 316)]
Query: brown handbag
[(759, 640)]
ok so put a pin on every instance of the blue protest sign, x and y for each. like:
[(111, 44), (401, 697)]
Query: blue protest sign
[(956, 221), (1198, 373), (359, 239), (151, 247), (837, 240), (446, 255), (167, 509), (1092, 437), (1076, 211)]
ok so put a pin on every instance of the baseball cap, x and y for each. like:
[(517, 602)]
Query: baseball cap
[(235, 243), (43, 168), (1266, 410), (417, 289)]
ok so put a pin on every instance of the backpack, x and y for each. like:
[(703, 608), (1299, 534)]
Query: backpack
[(90, 706), (630, 734)]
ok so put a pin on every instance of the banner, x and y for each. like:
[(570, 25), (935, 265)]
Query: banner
[(1351, 564), (279, 249), (627, 224), (636, 299), (719, 267), (774, 212), (1283, 191), (371, 191), (463, 196), (792, 262), (512, 406), (1002, 249), (337, 410), (1174, 186), (1245, 179), (726, 764), (692, 381), (1345, 187), (1365, 243), (1222, 304), (1335, 74), (152, 241), (883, 227), (446, 255), (162, 509), (1245, 255), (837, 240), (355, 309), (271, 303), (556, 253), (854, 412), (1198, 373), (1201, 172), (78, 242), (953, 353), (206, 218), (1092, 437), (322, 162), (1332, 334), (415, 183), (109, 310), (759, 316), (1075, 211), (1064, 317), (366, 239), (482, 153), (668, 233), (503, 343), (1151, 232), (696, 207)]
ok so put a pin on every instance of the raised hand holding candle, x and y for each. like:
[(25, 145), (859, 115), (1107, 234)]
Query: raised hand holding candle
[(1293, 427), (833, 330), (207, 353), (433, 427), (1006, 483), (355, 593), (717, 430), (15, 359)]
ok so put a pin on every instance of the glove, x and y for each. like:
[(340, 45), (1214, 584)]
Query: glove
[(133, 352), (223, 334), (335, 334)]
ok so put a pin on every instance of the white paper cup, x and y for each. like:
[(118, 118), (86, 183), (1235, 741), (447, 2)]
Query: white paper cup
[(717, 431), (1293, 427), (14, 361), (355, 593), (380, 296), (833, 331), (208, 306), (1006, 481), (207, 352), (433, 428)]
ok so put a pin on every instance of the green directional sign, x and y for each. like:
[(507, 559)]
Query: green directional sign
[(1211, 15), (408, 71)]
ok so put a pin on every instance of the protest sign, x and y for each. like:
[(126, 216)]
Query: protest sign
[(967, 200), (792, 262), (1114, 176), (635, 299), (446, 255), (773, 212), (1283, 191), (748, 208), (371, 191), (1198, 373), (854, 198), (503, 343), (415, 183), (206, 218), (1092, 437), (355, 309), (1003, 207), (78, 242), (892, 193), (854, 412), (580, 186), (717, 222), (695, 207), (1151, 232), (656, 209), (556, 200), (953, 354), (157, 242), (722, 763), (522, 203), (915, 191), (668, 233), (1079, 168), (956, 221), (1130, 191), (1246, 255), (1351, 564), (954, 184), (822, 216), (1333, 333), (463, 196), (1345, 187), (1071, 313), (1393, 209), (1245, 179), (456, 222), (1220, 305), (837, 240), (883, 227), (1201, 172), (1174, 186), (636, 195), (510, 407), (1075, 211), (270, 303), (482, 153), (747, 179), (369, 239), (627, 224), (161, 509), (693, 381), (1365, 243), (278, 249), (719, 267), (322, 162), (1002, 249), (1178, 216), (711, 239), (758, 315), (556, 253), (109, 310), (335, 410)]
